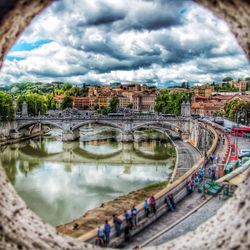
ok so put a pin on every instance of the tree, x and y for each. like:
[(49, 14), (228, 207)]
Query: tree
[(170, 103), (113, 104), (66, 86), (6, 107), (51, 102), (36, 103), (227, 79), (67, 102)]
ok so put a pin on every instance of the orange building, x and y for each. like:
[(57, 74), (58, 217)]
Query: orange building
[(81, 102)]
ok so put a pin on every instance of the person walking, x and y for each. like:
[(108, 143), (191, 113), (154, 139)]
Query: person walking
[(128, 217), (99, 237), (117, 222), (152, 203), (134, 216), (171, 197), (107, 231), (146, 208), (168, 203)]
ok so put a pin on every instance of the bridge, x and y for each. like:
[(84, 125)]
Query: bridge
[(183, 127)]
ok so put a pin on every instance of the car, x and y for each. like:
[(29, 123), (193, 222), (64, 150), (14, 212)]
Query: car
[(244, 153), (227, 130)]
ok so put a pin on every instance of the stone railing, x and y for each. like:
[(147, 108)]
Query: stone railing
[(177, 188)]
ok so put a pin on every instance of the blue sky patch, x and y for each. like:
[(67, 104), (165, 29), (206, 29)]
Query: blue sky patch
[(24, 46)]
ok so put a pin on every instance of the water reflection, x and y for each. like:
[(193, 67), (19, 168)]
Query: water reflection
[(60, 181)]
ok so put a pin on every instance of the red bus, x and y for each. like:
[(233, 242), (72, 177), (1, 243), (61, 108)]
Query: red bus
[(241, 132)]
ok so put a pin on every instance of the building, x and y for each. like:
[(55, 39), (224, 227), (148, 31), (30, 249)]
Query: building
[(103, 101), (81, 102), (204, 90), (124, 102), (144, 102), (59, 99)]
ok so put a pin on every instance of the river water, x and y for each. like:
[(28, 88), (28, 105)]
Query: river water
[(61, 181)]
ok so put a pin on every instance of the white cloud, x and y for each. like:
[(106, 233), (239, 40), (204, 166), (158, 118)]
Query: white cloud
[(125, 40)]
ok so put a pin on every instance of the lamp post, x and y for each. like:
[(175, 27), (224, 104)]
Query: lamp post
[(205, 146), (240, 114)]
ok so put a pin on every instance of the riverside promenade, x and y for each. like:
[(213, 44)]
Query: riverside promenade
[(155, 233)]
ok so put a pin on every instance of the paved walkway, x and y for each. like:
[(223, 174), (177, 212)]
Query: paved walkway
[(185, 206), (188, 155), (191, 222)]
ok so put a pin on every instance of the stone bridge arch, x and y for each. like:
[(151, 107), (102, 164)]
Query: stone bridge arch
[(42, 122), (161, 126), (98, 122)]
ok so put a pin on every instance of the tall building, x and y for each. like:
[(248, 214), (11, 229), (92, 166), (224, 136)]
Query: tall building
[(144, 102)]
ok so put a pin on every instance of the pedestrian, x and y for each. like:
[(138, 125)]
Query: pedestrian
[(99, 237), (213, 174), (146, 208), (171, 197), (204, 191), (128, 217), (189, 187), (152, 203), (169, 204), (209, 172), (117, 222), (134, 216), (127, 233), (107, 231)]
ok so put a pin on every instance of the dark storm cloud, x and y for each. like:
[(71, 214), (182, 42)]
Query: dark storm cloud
[(168, 39), (153, 15)]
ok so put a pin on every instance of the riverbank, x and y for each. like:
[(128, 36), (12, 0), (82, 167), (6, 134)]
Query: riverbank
[(97, 216), (23, 138)]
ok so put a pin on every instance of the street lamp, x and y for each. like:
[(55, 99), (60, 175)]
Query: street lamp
[(240, 114)]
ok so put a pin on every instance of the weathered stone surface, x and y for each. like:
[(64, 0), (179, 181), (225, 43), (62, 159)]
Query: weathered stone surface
[(236, 13), (15, 15)]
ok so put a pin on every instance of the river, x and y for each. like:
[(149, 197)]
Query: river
[(61, 181)]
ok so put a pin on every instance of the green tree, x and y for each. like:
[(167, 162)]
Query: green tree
[(6, 107), (113, 104), (170, 103), (51, 102), (66, 86), (227, 79), (36, 103), (232, 107), (67, 102)]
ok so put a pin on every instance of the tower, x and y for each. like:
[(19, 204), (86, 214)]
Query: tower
[(24, 109)]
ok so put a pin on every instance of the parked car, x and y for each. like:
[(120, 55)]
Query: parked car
[(244, 153)]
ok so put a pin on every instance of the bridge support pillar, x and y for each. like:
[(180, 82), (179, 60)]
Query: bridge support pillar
[(14, 134), (70, 135), (127, 137)]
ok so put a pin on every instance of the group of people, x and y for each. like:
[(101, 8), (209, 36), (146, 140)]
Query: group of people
[(195, 180), (103, 235), (214, 158)]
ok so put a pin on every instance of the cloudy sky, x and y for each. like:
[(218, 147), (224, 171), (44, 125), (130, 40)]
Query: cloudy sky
[(125, 40)]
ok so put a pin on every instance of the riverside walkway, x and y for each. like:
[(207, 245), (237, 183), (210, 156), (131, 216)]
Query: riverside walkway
[(169, 219)]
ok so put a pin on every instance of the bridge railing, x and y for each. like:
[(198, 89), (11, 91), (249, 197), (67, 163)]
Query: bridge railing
[(177, 188), (79, 117)]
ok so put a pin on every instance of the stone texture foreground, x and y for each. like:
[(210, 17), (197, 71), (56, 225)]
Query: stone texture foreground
[(21, 229)]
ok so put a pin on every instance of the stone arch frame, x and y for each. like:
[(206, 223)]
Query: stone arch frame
[(17, 233)]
